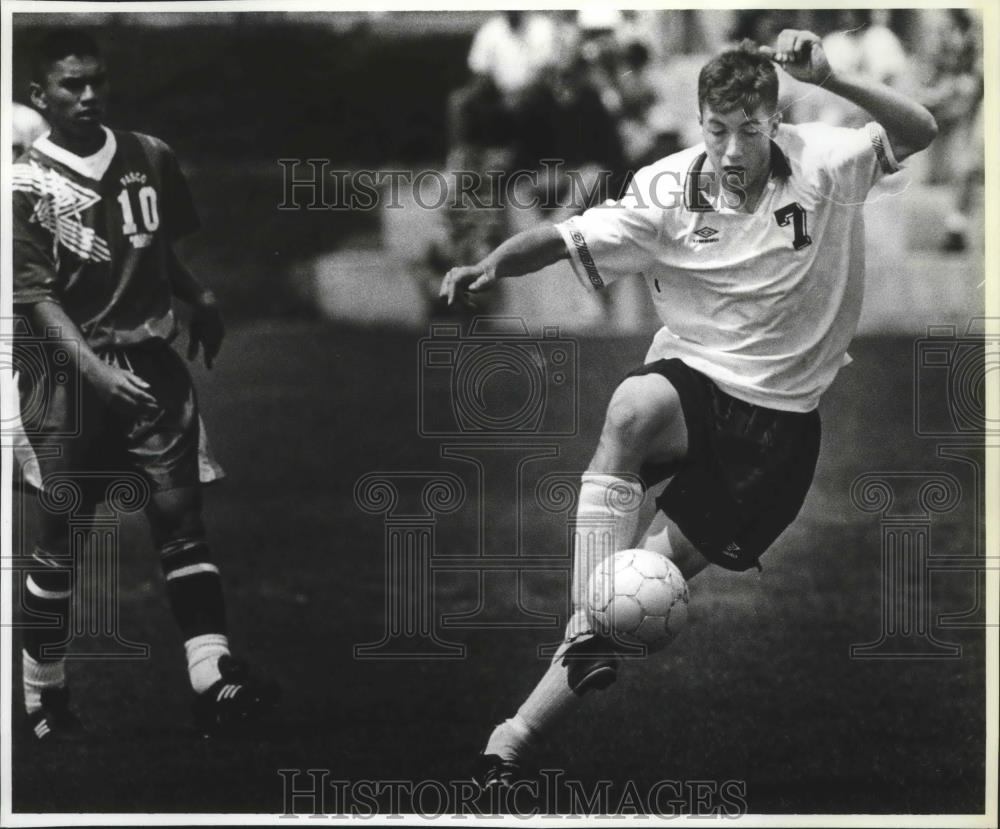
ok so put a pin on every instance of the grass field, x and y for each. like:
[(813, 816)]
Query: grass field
[(760, 687)]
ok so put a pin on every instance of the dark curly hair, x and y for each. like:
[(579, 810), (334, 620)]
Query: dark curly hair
[(55, 44), (740, 77)]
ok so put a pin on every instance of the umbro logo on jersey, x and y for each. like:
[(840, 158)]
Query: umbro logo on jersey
[(705, 233)]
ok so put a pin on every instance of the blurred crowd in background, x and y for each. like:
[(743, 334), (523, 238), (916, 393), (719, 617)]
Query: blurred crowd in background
[(615, 90), (602, 90)]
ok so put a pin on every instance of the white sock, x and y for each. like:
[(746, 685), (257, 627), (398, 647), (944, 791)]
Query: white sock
[(38, 676), (607, 519), (510, 740), (203, 654)]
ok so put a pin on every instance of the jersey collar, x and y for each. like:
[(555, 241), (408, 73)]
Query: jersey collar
[(92, 166), (698, 201)]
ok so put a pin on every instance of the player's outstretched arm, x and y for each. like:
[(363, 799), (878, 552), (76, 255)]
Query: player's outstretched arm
[(122, 390), (910, 126), (206, 328), (527, 252)]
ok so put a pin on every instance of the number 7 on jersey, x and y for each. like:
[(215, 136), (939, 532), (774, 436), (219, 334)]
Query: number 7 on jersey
[(793, 212)]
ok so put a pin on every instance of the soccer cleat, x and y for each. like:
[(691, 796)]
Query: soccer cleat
[(491, 771), (235, 703), (55, 719), (591, 664)]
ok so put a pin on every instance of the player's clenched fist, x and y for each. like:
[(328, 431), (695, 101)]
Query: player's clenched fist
[(801, 55), (466, 279)]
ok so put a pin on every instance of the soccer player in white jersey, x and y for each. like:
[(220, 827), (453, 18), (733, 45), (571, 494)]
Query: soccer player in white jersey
[(96, 215), (752, 245)]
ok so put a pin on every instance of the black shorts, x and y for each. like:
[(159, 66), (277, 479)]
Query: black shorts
[(74, 435), (747, 470)]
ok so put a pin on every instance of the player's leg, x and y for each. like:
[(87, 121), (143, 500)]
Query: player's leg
[(644, 425), (58, 432), (664, 537), (47, 596), (194, 585), (167, 449), (228, 698)]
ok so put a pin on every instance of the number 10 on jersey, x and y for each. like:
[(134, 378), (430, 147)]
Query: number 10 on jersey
[(147, 208)]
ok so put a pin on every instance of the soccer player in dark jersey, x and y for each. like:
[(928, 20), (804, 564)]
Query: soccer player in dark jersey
[(96, 214)]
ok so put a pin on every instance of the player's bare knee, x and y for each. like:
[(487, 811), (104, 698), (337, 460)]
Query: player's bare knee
[(629, 420), (643, 416), (176, 514)]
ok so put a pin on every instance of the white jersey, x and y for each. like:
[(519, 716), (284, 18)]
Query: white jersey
[(763, 303)]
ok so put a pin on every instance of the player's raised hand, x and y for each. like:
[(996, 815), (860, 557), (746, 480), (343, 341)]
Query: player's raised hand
[(469, 279), (801, 55), (206, 330)]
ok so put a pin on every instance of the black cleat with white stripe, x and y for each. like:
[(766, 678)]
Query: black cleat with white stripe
[(234, 705), (492, 772), (55, 720)]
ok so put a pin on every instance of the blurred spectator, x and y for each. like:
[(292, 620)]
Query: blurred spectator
[(491, 121), (25, 126), (882, 55), (620, 72), (637, 27), (512, 50), (953, 71), (509, 57), (954, 94), (845, 54), (567, 36), (843, 45), (762, 26), (971, 167), (579, 130), (953, 90), (638, 98), (598, 23)]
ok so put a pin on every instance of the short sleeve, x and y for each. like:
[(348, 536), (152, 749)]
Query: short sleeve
[(179, 215), (615, 239), (855, 159), (35, 272)]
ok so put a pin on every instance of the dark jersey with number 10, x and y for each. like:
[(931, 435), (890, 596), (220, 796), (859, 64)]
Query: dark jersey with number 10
[(94, 235)]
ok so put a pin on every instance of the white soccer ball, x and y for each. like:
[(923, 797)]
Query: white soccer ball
[(637, 597)]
